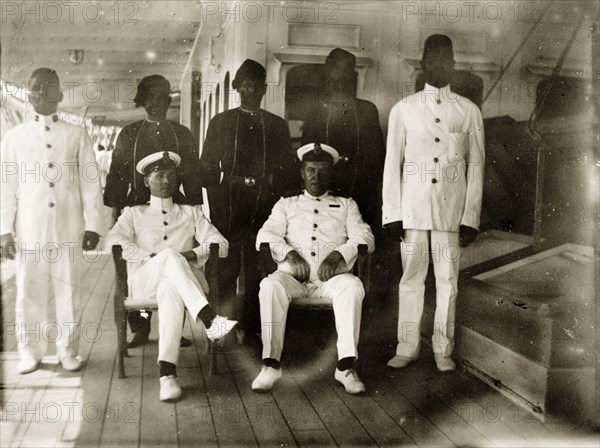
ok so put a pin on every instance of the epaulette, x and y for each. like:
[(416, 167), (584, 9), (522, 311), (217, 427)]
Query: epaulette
[(292, 193)]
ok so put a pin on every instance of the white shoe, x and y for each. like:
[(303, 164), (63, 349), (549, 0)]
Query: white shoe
[(444, 364), (399, 361), (27, 365), (169, 389), (350, 380), (70, 363), (265, 379), (219, 328)]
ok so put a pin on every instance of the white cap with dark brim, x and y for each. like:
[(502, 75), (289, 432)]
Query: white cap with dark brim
[(154, 161), (303, 150)]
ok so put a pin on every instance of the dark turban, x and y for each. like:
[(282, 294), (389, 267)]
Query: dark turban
[(436, 41), (249, 70), (146, 84), (341, 58)]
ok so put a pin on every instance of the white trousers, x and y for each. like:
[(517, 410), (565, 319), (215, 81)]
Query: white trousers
[(445, 252), (40, 276), (345, 292), (169, 279)]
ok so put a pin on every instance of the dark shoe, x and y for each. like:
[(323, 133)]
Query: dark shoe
[(138, 339), (185, 342)]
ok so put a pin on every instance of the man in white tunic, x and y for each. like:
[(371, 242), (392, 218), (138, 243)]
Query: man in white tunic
[(432, 190), (314, 238), (158, 242), (51, 210)]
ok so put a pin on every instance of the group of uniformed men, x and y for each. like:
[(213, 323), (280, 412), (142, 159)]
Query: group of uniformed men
[(432, 190)]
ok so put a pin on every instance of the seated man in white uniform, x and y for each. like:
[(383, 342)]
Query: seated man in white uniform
[(158, 242), (314, 238)]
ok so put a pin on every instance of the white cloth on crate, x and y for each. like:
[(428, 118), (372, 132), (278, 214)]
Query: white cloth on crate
[(433, 183), (168, 277), (50, 195), (314, 227)]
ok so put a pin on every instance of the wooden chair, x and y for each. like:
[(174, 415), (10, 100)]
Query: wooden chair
[(361, 269), (124, 304)]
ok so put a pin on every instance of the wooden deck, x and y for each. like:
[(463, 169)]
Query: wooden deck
[(417, 406)]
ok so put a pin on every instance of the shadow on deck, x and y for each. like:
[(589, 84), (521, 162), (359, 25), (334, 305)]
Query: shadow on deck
[(417, 406)]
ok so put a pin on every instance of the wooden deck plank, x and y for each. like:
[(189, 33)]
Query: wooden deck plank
[(409, 381), (9, 290), (479, 417), (296, 408), (307, 408), (268, 423), (418, 427), (123, 414), (21, 411), (158, 421), (361, 420), (226, 409), (499, 408), (56, 391), (97, 349), (194, 419)]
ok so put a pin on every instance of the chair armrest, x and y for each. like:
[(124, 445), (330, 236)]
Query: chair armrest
[(361, 265), (120, 270), (266, 264)]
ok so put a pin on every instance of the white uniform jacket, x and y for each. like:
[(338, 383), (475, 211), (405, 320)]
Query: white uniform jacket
[(433, 175), (50, 183), (314, 227), (145, 229)]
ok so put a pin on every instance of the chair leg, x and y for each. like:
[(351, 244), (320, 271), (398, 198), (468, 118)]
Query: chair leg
[(212, 370), (122, 344)]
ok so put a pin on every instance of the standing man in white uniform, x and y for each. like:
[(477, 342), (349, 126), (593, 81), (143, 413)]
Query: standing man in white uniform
[(314, 238), (158, 243), (432, 190), (51, 210)]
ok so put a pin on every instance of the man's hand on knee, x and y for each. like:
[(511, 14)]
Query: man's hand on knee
[(300, 268), (329, 266)]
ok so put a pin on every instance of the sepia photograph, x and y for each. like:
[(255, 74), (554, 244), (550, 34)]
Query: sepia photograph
[(299, 223)]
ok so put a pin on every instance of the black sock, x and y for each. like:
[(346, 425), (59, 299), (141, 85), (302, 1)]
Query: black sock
[(271, 362), (166, 368), (345, 363), (207, 316)]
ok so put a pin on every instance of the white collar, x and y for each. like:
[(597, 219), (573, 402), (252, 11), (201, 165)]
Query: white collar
[(437, 93), (155, 122), (323, 196), (43, 119), (161, 204), (250, 112)]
